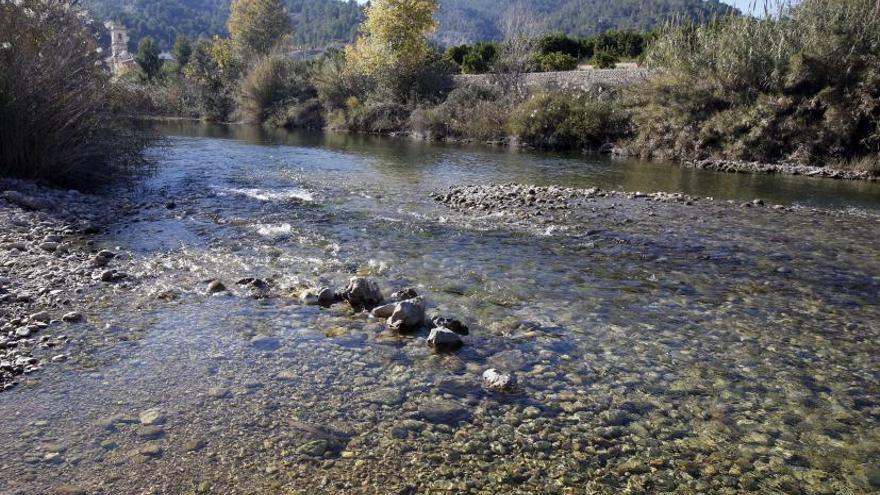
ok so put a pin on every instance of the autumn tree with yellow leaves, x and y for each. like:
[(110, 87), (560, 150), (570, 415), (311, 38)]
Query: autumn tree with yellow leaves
[(393, 45)]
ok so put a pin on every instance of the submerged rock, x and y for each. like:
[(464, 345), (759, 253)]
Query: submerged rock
[(444, 339), (152, 416), (442, 411), (362, 293), (498, 381)]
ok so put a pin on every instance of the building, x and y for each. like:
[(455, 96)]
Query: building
[(120, 60)]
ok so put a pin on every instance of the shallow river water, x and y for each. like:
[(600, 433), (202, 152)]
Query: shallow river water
[(659, 348)]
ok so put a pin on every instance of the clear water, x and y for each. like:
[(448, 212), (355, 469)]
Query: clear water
[(659, 347)]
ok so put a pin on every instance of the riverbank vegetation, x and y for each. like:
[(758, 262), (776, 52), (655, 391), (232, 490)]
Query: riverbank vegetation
[(800, 86), (55, 124)]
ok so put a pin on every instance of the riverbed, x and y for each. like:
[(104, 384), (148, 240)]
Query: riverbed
[(700, 343)]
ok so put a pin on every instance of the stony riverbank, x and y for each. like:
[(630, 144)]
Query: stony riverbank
[(743, 167), (48, 257)]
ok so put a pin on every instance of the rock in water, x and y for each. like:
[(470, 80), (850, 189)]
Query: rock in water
[(72, 317), (362, 293), (383, 311), (444, 339), (404, 295), (215, 287), (323, 297), (452, 324), (152, 416), (496, 380), (408, 315), (327, 297)]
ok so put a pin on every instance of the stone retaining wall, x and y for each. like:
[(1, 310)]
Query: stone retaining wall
[(575, 79)]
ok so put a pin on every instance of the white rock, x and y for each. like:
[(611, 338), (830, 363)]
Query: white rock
[(496, 380)]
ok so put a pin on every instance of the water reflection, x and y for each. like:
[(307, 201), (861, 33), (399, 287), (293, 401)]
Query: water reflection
[(474, 163)]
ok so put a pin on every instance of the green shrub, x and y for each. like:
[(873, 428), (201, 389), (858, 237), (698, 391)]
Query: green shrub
[(567, 120), (558, 61), (803, 85), (560, 43), (56, 118), (273, 84), (479, 59), (604, 59), (375, 116), (470, 112)]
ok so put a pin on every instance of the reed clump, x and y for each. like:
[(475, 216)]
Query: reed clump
[(56, 114), (800, 84)]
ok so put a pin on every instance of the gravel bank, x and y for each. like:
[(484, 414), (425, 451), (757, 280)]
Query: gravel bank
[(48, 257)]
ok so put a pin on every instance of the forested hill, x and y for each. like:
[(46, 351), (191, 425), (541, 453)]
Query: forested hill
[(465, 21), (317, 22)]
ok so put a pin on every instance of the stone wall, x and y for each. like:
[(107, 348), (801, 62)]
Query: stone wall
[(575, 79)]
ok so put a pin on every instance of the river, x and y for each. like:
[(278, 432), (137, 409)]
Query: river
[(702, 348)]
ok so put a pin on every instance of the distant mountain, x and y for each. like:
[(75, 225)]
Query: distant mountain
[(317, 22)]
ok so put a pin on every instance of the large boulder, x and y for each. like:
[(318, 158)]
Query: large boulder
[(362, 293), (408, 315)]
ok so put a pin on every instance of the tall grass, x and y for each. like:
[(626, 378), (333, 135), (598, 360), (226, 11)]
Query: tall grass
[(798, 84), (56, 122), (271, 86)]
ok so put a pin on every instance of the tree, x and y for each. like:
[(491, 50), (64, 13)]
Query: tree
[(182, 51), (256, 26), (522, 32), (148, 58), (394, 38)]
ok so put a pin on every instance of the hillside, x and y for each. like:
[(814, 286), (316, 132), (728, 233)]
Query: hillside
[(465, 21), (317, 22)]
